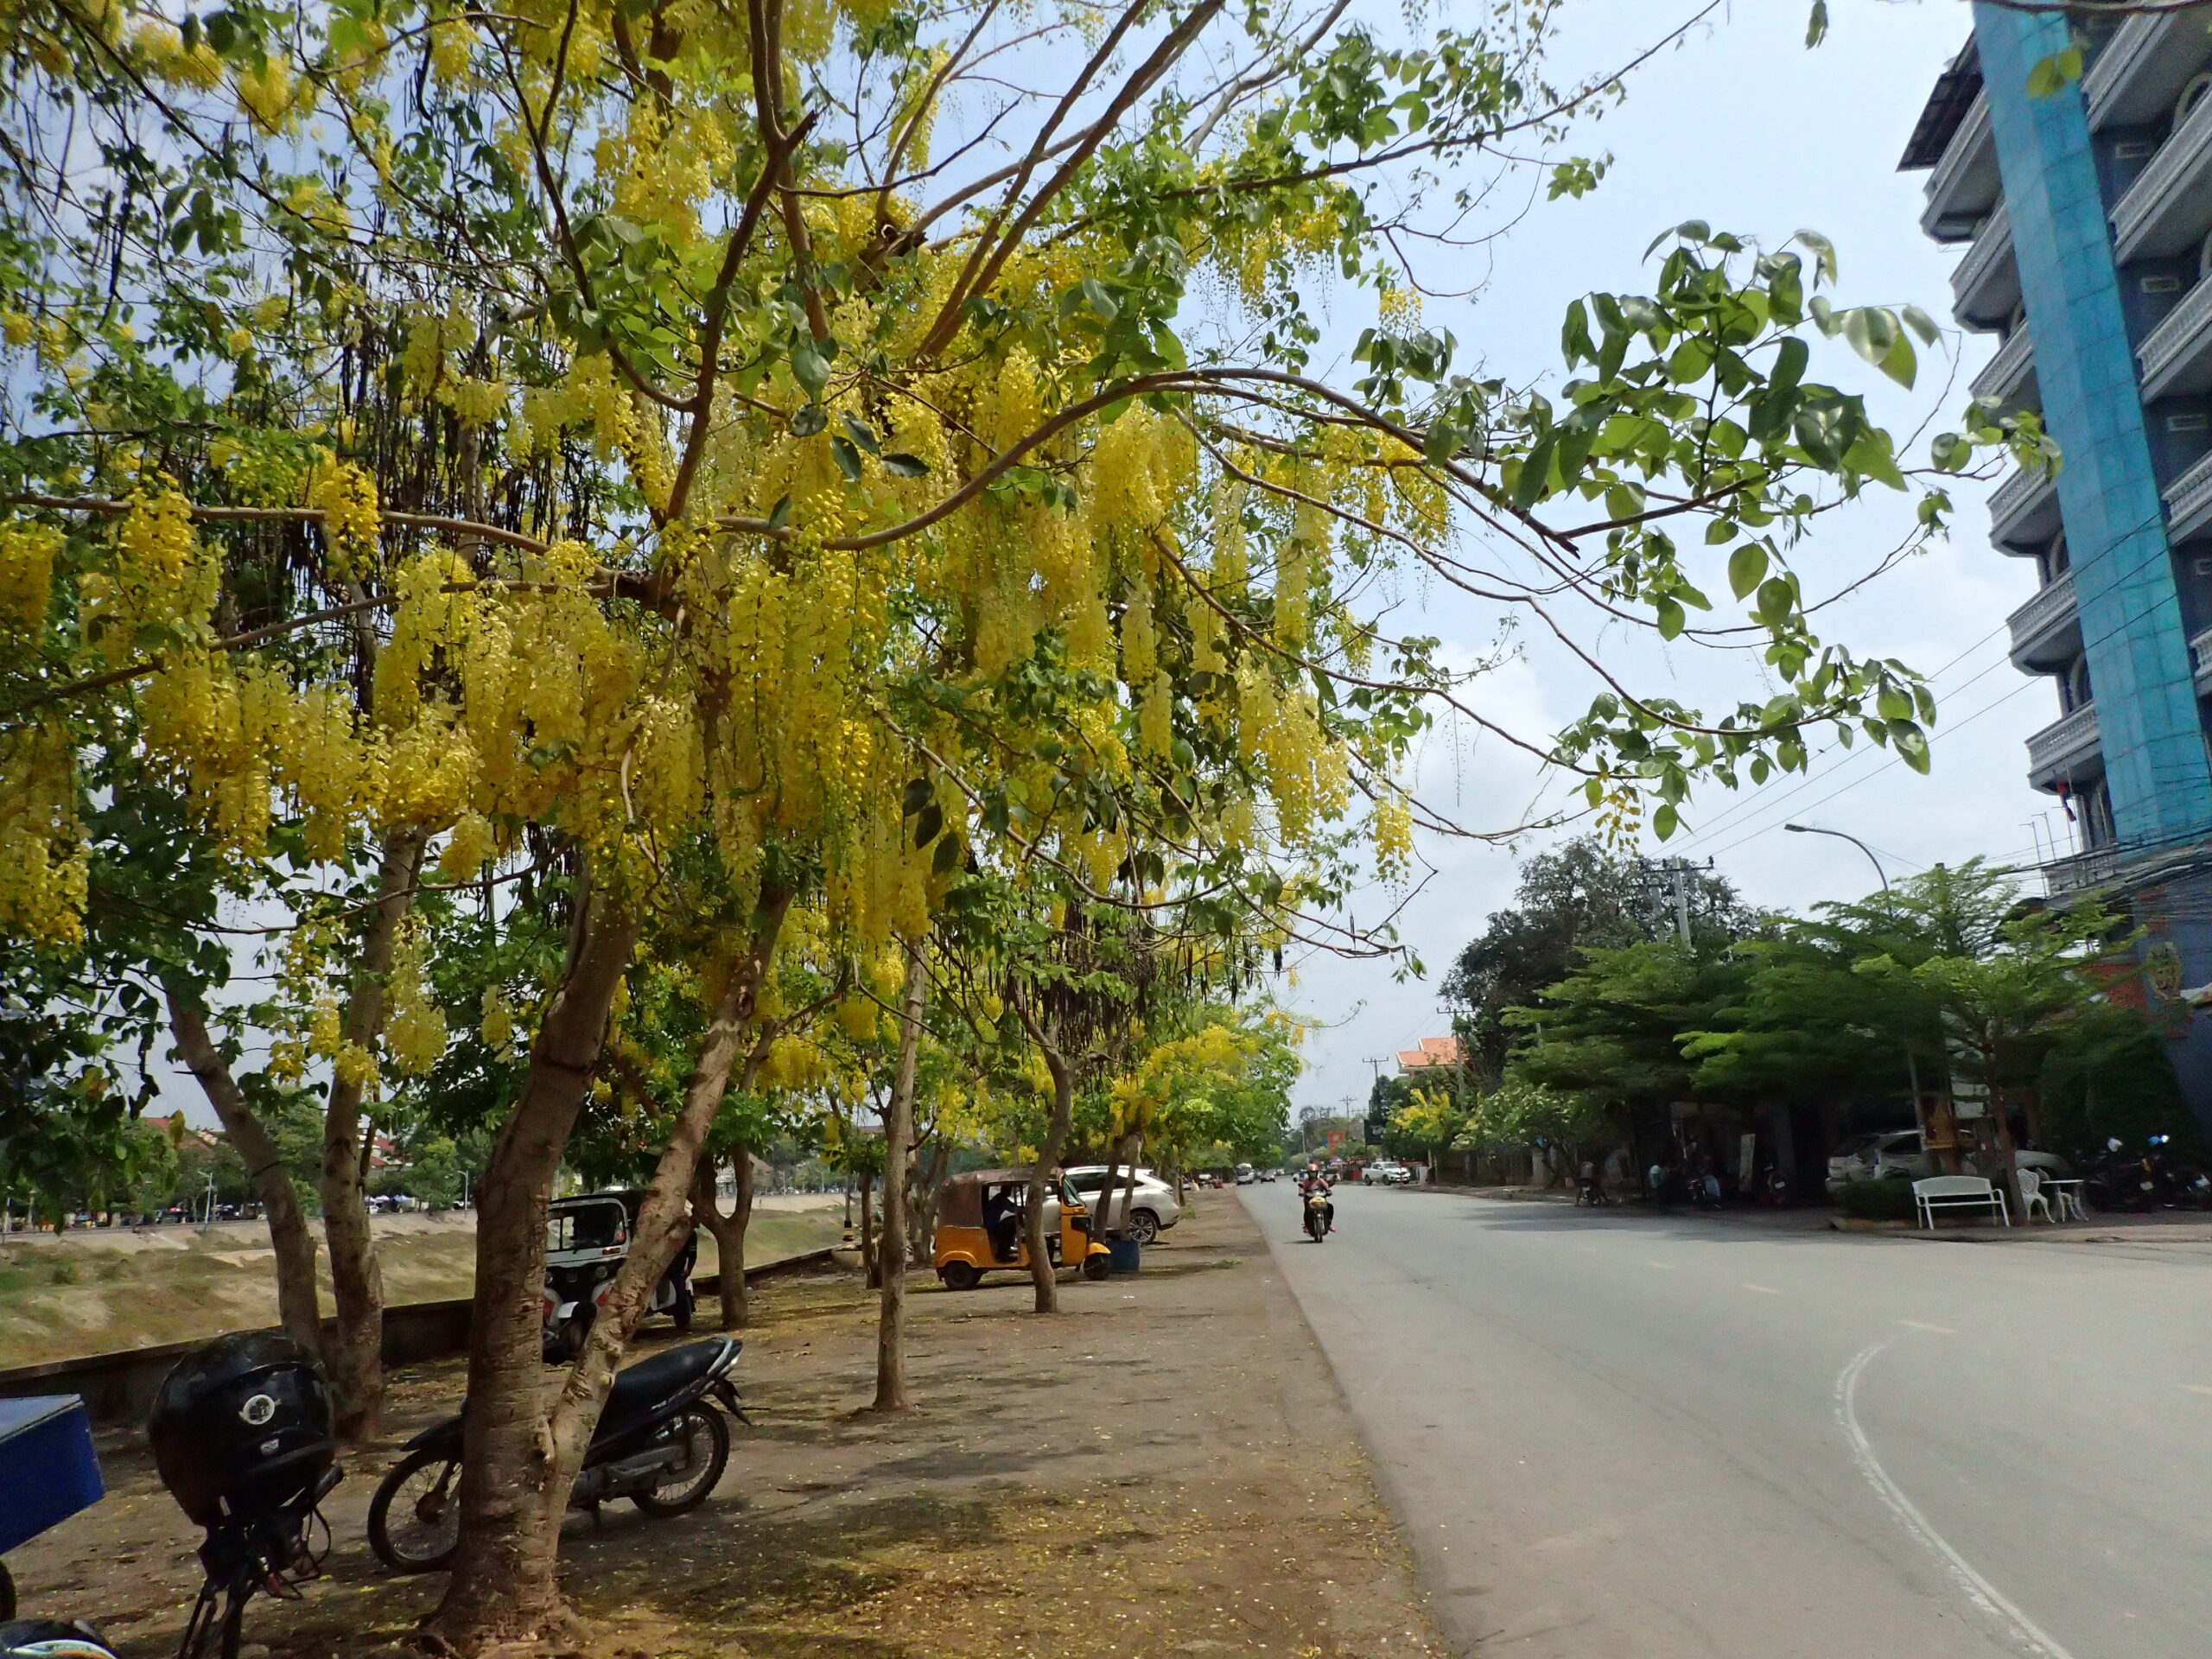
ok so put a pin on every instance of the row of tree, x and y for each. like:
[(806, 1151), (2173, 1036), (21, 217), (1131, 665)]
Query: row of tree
[(583, 572), (1581, 1010)]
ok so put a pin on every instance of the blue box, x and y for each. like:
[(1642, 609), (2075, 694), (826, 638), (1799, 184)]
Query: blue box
[(48, 1470)]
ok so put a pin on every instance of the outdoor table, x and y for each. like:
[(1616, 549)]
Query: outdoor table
[(49, 1471)]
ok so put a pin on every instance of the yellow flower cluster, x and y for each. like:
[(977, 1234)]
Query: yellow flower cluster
[(415, 1029), (352, 526), (42, 862), (27, 576)]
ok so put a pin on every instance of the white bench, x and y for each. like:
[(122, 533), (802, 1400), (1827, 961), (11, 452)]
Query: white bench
[(1934, 1192)]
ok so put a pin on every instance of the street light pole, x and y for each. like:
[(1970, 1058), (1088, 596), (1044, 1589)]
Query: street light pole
[(1889, 905)]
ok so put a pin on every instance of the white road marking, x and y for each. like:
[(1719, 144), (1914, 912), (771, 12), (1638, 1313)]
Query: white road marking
[(2016, 1625), (1932, 1330), (1763, 1290), (2196, 1387)]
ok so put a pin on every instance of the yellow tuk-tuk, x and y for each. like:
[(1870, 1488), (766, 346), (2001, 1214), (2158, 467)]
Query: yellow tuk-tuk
[(980, 1229)]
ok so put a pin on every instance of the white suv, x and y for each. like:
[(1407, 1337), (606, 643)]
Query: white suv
[(1152, 1214)]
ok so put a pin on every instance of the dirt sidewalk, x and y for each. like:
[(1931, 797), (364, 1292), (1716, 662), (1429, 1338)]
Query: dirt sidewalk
[(1165, 1468)]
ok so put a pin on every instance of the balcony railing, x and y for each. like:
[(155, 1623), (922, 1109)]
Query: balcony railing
[(2039, 626), (2135, 48), (2024, 509), (2188, 502), (1989, 257), (2004, 375), (2200, 659), (2177, 357), (1964, 185), (2168, 207), (2063, 747), (2089, 869)]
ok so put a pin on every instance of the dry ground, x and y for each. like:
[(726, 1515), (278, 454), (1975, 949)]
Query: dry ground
[(1165, 1468), (95, 1290)]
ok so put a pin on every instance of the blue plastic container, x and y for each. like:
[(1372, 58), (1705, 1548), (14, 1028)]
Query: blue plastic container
[(1123, 1255), (48, 1470)]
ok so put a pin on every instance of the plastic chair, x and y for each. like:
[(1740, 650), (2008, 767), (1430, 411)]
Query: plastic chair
[(2031, 1196)]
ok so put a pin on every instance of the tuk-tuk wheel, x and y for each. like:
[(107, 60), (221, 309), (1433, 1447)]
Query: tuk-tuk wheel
[(1100, 1265), (960, 1275)]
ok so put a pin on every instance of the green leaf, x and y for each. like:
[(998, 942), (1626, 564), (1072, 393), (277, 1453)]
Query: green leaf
[(1816, 25), (1824, 265), (906, 466), (2055, 73), (847, 457), (1664, 821), (927, 823), (1746, 568), (810, 367), (918, 794), (1670, 615), (947, 854), (779, 516), (808, 419), (1921, 324), (861, 434)]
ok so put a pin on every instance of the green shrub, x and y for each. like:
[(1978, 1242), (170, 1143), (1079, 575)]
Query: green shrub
[(1877, 1200)]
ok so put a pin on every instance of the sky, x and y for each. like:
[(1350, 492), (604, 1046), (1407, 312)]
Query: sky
[(1742, 127)]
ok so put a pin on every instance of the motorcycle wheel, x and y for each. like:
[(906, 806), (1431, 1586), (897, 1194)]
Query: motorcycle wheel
[(706, 1439), (425, 1488), (1316, 1229)]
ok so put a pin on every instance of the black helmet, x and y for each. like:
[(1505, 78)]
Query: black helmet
[(241, 1430), (49, 1638)]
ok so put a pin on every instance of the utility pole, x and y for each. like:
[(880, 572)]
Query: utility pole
[(1665, 887)]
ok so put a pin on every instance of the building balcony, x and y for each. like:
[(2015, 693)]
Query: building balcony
[(2168, 207), (2138, 76), (2023, 510), (2189, 503), (2200, 661), (2047, 630), (1965, 185), (2009, 376), (1985, 288), (2067, 751), (2094, 868), (2176, 358)]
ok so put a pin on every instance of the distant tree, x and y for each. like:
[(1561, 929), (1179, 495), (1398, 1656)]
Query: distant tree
[(1578, 899)]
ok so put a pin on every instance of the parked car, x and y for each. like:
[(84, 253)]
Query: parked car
[(1152, 1213), (1386, 1172), (1898, 1154)]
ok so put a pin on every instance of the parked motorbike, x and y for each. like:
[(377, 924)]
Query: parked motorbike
[(661, 1443), (242, 1439), (586, 1240), (52, 1638)]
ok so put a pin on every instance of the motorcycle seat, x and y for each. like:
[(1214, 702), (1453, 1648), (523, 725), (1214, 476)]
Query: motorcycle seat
[(648, 1383)]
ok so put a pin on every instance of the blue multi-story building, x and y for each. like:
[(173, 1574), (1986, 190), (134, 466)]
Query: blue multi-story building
[(2086, 214)]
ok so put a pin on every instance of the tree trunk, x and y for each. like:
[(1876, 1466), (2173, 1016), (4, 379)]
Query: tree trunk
[(1048, 1155), (928, 1186), (297, 1307), (1102, 1210), (867, 1231), (354, 1356), (512, 1496), (1134, 1147), (519, 1461), (898, 1130), (728, 1230)]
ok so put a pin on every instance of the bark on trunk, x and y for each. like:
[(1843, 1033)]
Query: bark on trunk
[(512, 1492), (354, 1355), (1102, 1216), (898, 1130), (297, 1307), (728, 1230), (1048, 1155), (1134, 1147)]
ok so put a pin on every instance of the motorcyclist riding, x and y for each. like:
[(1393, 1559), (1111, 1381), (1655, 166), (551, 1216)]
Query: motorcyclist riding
[(1311, 1182)]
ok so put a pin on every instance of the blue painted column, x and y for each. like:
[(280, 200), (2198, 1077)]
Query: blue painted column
[(2139, 669)]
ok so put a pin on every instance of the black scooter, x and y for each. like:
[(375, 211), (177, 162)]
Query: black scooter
[(661, 1443)]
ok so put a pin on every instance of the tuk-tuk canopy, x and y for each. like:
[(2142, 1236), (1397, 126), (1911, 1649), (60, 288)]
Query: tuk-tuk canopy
[(962, 1205)]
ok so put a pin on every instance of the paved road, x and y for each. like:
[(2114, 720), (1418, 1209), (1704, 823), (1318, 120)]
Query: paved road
[(1617, 1435)]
